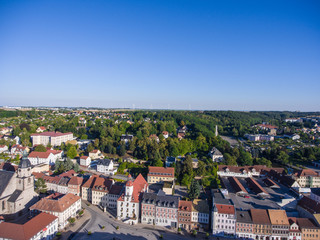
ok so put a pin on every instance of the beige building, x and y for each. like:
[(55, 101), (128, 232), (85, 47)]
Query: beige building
[(52, 138), (160, 174), (59, 205), (280, 223), (307, 178)]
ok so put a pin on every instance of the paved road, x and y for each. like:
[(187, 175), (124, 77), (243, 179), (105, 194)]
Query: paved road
[(99, 219)]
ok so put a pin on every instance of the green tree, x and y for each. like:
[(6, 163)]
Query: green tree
[(283, 157), (186, 179), (72, 152), (194, 190), (41, 186), (40, 148)]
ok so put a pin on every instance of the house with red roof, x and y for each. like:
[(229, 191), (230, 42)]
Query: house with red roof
[(307, 178), (40, 129), (74, 185), (43, 225), (3, 148), (184, 215), (160, 174), (95, 154), (49, 157), (60, 205), (128, 204), (223, 219), (85, 161)]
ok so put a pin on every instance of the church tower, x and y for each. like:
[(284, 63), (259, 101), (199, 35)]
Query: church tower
[(25, 179)]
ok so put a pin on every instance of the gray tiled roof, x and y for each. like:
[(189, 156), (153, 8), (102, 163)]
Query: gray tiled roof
[(244, 217), (160, 200), (14, 196), (5, 178)]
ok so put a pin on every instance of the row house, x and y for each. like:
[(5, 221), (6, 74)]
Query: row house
[(102, 192), (160, 174), (51, 138), (185, 215), (42, 226), (280, 224), (159, 209), (244, 225), (224, 219), (128, 204), (74, 185), (59, 205), (294, 230), (200, 214), (262, 229), (18, 149), (307, 178)]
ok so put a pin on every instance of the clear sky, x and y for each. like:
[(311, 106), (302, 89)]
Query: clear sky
[(220, 55)]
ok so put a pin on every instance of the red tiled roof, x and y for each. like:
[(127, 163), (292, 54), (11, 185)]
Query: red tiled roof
[(54, 152), (225, 209), (305, 173), (185, 206), (39, 154), (75, 181), (84, 157), (260, 216), (38, 175), (27, 230), (154, 171), (267, 126), (69, 173), (52, 204), (310, 205), (94, 151), (139, 186), (51, 134)]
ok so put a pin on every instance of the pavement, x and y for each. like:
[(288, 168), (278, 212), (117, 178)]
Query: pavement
[(99, 219)]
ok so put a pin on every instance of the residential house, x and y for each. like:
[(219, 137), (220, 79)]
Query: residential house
[(40, 129), (224, 219), (18, 149), (165, 134), (200, 214), (3, 148), (294, 230), (262, 229), (126, 138), (95, 154), (309, 229), (59, 205), (185, 215), (159, 209), (51, 138), (160, 174), (37, 158), (74, 185), (216, 155), (42, 226), (106, 166), (244, 225), (128, 204), (63, 185), (85, 161), (280, 224)]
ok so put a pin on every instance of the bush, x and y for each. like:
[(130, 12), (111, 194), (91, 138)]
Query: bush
[(161, 236), (194, 233), (117, 227), (71, 220), (102, 227), (81, 213), (58, 234), (89, 233), (207, 235)]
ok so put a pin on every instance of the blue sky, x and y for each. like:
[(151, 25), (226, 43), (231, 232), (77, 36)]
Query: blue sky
[(220, 55)]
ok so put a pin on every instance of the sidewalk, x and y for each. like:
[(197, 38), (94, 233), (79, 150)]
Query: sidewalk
[(78, 225)]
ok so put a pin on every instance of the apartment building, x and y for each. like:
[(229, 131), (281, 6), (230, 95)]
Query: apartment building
[(244, 225), (51, 138), (59, 205), (185, 215), (200, 214), (262, 229), (160, 174), (280, 224), (159, 209), (307, 178)]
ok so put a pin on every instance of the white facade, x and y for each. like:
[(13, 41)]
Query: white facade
[(54, 139), (106, 167), (198, 217), (51, 159), (3, 148), (127, 210), (85, 161), (223, 223)]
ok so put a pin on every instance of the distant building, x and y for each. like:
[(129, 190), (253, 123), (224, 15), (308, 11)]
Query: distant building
[(307, 178), (126, 138), (3, 148), (292, 136), (154, 137), (40, 129), (216, 155), (170, 161), (165, 134), (259, 137), (51, 138), (49, 157), (95, 154)]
